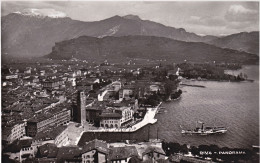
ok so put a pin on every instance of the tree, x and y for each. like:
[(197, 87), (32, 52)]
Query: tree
[(194, 150), (184, 149), (174, 147), (169, 86), (116, 95), (96, 86), (173, 77)]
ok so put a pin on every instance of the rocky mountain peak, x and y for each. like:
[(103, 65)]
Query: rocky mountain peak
[(41, 13), (132, 17)]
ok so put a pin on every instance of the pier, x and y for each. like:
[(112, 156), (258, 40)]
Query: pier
[(193, 85)]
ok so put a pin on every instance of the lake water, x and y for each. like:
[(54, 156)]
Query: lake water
[(231, 104)]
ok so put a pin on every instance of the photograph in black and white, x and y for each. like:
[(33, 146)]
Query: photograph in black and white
[(130, 81)]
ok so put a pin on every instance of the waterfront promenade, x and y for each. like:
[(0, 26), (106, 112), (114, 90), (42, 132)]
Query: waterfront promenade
[(148, 119)]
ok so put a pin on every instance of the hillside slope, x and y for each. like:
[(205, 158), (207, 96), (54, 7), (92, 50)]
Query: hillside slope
[(244, 41), (33, 36), (146, 47)]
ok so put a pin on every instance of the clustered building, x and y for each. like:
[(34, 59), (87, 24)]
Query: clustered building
[(39, 102), (35, 98), (95, 151), (52, 117)]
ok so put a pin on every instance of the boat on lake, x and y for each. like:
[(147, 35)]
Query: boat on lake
[(205, 130)]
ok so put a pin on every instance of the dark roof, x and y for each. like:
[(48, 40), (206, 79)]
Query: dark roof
[(110, 115), (84, 83), (135, 159), (151, 149), (50, 133), (5, 158), (99, 145), (17, 145), (163, 161), (123, 103), (120, 153), (65, 153), (46, 114), (47, 150), (52, 80), (129, 87)]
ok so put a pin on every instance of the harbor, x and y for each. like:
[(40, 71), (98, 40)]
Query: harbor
[(205, 104)]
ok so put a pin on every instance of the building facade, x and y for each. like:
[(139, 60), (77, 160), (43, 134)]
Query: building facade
[(43, 121), (126, 93), (94, 156), (117, 117), (13, 132), (95, 151), (52, 83), (62, 139), (110, 120)]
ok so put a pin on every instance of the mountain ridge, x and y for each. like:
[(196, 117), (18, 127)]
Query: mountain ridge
[(146, 47), (244, 41), (35, 37)]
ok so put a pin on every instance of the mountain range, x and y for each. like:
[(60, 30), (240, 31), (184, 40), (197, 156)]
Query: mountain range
[(34, 36), (244, 41), (145, 47)]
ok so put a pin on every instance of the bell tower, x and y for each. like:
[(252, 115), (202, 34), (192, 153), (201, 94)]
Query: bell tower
[(81, 107)]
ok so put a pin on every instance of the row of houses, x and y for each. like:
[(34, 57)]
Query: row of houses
[(95, 151), (51, 117), (54, 116), (28, 147)]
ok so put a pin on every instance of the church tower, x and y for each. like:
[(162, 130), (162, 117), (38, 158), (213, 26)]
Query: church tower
[(81, 107)]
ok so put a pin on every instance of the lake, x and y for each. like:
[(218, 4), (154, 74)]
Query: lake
[(231, 104)]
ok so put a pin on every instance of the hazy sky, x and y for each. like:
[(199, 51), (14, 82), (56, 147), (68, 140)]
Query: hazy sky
[(210, 18)]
